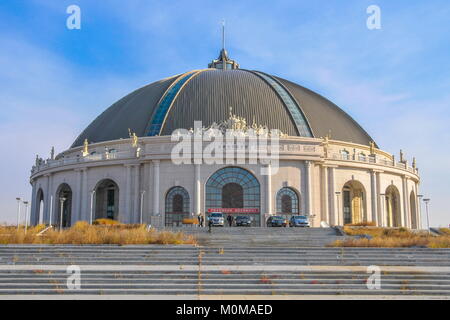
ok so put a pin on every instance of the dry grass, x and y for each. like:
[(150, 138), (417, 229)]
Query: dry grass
[(445, 231), (362, 224), (83, 233), (391, 238), (107, 222)]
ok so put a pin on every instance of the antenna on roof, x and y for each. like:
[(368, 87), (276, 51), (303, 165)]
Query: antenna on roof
[(223, 62), (223, 33)]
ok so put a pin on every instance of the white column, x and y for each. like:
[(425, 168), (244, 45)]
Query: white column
[(137, 194), (126, 216), (148, 187), (155, 187), (405, 217), (325, 217), (308, 189), (374, 195), (46, 212), (85, 199), (268, 195), (418, 207), (380, 204), (333, 204), (77, 208), (34, 216), (197, 190)]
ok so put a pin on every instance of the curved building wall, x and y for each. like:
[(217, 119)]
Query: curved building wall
[(317, 173)]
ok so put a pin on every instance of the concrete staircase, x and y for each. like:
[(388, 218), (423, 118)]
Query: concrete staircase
[(270, 237), (228, 263), (154, 255), (226, 282)]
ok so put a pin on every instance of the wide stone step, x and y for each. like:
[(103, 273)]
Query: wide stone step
[(268, 292)]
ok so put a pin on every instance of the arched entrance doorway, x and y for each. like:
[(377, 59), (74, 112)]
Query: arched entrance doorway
[(234, 191), (39, 217), (64, 206), (392, 205), (177, 206), (413, 207), (287, 202), (353, 202), (107, 200)]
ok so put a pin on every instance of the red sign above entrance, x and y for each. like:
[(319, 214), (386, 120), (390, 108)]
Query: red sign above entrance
[(234, 210)]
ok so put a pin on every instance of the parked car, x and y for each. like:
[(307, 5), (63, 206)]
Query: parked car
[(217, 219), (299, 221), (243, 221), (276, 221)]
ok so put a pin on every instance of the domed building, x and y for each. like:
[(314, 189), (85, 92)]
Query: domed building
[(327, 167)]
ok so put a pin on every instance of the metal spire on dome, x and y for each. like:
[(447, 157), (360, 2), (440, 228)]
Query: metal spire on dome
[(223, 34), (223, 62)]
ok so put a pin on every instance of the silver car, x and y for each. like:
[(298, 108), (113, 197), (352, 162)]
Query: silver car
[(299, 221), (217, 219)]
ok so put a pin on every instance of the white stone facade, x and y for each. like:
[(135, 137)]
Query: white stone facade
[(324, 174)]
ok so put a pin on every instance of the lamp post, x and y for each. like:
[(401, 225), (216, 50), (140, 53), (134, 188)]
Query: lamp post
[(18, 212), (383, 219), (26, 215), (142, 206), (338, 208), (420, 196), (61, 201), (428, 217)]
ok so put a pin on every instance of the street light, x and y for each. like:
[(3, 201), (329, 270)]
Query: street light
[(18, 212), (26, 215), (428, 217), (338, 207)]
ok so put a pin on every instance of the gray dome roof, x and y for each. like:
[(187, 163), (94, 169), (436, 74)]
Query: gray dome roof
[(207, 95)]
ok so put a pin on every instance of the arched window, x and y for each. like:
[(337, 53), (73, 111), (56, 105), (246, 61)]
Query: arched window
[(177, 206), (353, 202), (234, 188), (287, 201), (106, 200), (392, 207), (64, 205)]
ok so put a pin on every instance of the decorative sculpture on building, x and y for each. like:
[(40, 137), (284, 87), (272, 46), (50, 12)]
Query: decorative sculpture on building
[(52, 153), (325, 144), (134, 138), (85, 148), (372, 147), (402, 160)]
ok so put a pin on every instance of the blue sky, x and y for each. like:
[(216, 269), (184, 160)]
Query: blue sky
[(395, 81)]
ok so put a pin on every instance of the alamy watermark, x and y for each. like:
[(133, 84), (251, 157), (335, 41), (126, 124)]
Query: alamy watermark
[(74, 19), (374, 280), (373, 22), (74, 278)]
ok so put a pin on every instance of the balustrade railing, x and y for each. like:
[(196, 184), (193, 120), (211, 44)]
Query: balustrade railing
[(92, 157), (374, 160)]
